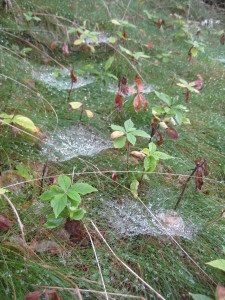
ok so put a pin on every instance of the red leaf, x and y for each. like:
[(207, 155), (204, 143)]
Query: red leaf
[(118, 102), (114, 176), (187, 95), (160, 22), (122, 85), (149, 45), (154, 126), (222, 39), (206, 173), (138, 83), (131, 90), (190, 54), (5, 223), (52, 47), (137, 104), (172, 133), (198, 83), (72, 76), (124, 34), (144, 102), (65, 49), (199, 178), (159, 138), (51, 295), (33, 296)]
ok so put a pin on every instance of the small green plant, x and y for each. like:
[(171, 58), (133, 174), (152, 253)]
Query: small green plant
[(65, 200), (151, 159), (190, 87), (77, 105), (126, 136), (165, 116), (220, 290), (195, 47), (30, 17)]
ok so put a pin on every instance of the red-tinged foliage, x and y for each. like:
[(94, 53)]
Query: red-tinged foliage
[(65, 49), (187, 95), (222, 39), (149, 45), (72, 76), (118, 102), (122, 85), (137, 103), (198, 83), (204, 167), (5, 223), (138, 82), (114, 176), (160, 23), (198, 175), (52, 47), (172, 133), (124, 34), (74, 228), (154, 127), (138, 154), (190, 54), (159, 138), (51, 295), (33, 295), (131, 90)]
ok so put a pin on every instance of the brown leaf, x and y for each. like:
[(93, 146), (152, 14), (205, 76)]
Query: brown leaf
[(138, 154), (159, 138), (5, 223), (65, 49), (198, 83), (137, 103), (51, 295), (131, 90), (45, 246), (160, 22), (33, 296), (122, 85), (172, 133), (190, 54), (154, 126), (114, 176), (52, 47), (74, 229), (198, 176), (187, 95), (124, 34), (118, 102), (206, 173), (222, 39), (138, 82), (144, 102), (72, 76), (116, 134)]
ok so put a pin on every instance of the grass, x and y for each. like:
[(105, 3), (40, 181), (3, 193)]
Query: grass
[(158, 260)]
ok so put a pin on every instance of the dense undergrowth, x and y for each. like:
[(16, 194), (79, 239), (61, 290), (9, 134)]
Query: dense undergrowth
[(172, 265)]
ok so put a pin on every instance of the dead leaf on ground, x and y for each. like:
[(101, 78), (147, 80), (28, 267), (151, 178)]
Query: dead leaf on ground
[(45, 246), (118, 102), (5, 223), (74, 228)]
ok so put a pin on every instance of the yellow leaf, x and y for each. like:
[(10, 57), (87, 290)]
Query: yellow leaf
[(89, 113), (75, 105), (78, 42), (116, 134), (3, 191), (115, 22), (26, 123)]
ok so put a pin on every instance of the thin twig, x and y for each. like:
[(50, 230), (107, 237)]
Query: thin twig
[(21, 228), (97, 261), (125, 265), (215, 220)]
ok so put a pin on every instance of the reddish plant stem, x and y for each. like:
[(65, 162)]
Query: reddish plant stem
[(128, 153)]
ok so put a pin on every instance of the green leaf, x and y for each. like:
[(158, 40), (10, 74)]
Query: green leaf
[(219, 264), (78, 214), (152, 147), (26, 123), (178, 117), (126, 51), (55, 189), (48, 195), (157, 110), (131, 138), (161, 155), (3, 191), (141, 133), (120, 142), (64, 182), (150, 163), (22, 171), (134, 188), (194, 51), (138, 55), (73, 194), (128, 124), (164, 97), (199, 297), (83, 188), (112, 40), (109, 62), (117, 128), (58, 204), (53, 222)]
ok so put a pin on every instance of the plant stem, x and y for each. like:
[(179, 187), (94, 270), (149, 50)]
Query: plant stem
[(128, 153), (82, 110), (215, 220), (186, 183)]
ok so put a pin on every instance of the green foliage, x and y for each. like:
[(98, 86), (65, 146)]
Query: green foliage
[(30, 17), (65, 200)]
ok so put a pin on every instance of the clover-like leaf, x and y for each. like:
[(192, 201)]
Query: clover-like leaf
[(128, 124), (141, 133), (117, 128), (131, 138), (152, 147), (150, 163), (53, 222), (77, 214), (164, 97), (119, 142), (58, 203), (83, 188)]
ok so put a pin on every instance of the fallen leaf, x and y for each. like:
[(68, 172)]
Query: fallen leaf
[(114, 176), (33, 295), (45, 246), (222, 39), (52, 47), (5, 223), (172, 133), (51, 295), (65, 49), (89, 113), (74, 228), (118, 102)]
